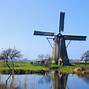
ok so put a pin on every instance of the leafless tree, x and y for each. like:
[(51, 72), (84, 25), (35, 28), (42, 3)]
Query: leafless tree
[(10, 54), (40, 57), (85, 57), (47, 57)]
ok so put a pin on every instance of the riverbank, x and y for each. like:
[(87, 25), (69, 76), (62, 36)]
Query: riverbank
[(84, 69), (26, 67), (22, 68)]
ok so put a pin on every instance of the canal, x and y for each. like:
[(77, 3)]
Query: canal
[(48, 80)]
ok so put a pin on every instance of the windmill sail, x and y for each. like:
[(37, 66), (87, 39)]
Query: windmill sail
[(72, 37), (41, 33), (61, 24), (59, 53)]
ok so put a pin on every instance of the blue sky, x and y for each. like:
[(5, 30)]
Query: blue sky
[(19, 19)]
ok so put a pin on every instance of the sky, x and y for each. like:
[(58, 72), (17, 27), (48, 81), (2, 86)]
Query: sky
[(19, 19)]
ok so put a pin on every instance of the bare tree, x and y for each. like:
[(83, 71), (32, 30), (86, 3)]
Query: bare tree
[(44, 57), (10, 54), (41, 57), (85, 57), (47, 57)]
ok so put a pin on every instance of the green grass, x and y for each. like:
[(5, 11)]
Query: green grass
[(26, 66), (69, 69), (22, 66)]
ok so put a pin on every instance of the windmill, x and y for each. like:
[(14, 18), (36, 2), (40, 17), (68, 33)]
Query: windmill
[(59, 52)]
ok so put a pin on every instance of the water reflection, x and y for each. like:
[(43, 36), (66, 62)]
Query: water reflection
[(59, 80), (46, 78), (50, 80), (9, 83), (85, 78)]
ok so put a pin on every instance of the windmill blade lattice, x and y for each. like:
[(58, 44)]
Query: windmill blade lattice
[(41, 33), (61, 24)]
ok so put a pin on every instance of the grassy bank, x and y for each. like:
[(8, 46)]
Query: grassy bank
[(22, 67), (69, 69), (26, 67)]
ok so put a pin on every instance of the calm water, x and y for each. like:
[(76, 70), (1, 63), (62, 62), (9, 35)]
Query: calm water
[(52, 80)]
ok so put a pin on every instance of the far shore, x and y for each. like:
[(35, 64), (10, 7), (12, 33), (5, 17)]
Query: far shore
[(28, 68)]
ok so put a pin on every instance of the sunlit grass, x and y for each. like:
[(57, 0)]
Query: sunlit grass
[(69, 69), (26, 66), (22, 66)]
